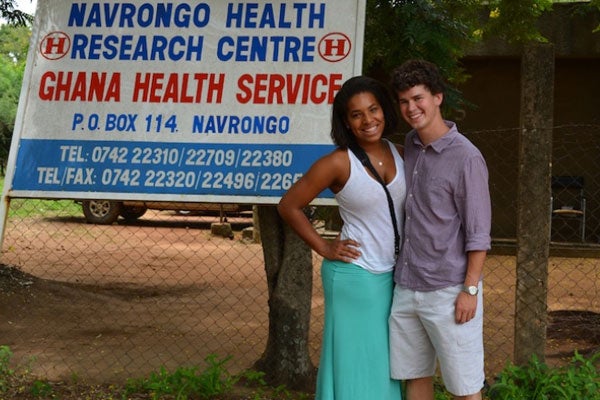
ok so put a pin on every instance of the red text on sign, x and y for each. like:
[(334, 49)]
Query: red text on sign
[(178, 88), (288, 88), (80, 86)]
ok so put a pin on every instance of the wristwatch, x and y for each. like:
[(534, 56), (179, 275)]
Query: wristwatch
[(472, 290)]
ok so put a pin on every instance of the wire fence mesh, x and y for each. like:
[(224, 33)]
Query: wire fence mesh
[(110, 302)]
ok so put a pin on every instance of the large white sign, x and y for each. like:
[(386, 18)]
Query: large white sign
[(179, 100)]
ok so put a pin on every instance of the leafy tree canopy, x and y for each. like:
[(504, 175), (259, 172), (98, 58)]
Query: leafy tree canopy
[(14, 42), (12, 15), (442, 31)]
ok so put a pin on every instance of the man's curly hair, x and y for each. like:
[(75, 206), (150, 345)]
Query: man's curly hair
[(417, 72)]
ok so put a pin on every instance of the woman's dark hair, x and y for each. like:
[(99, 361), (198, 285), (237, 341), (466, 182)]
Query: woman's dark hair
[(417, 72), (340, 132)]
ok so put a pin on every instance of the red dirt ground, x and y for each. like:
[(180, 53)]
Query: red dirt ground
[(45, 307)]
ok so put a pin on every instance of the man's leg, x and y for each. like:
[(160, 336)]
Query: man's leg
[(419, 389), (459, 346), (422, 389)]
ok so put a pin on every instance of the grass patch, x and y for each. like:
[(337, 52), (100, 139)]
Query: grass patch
[(28, 208)]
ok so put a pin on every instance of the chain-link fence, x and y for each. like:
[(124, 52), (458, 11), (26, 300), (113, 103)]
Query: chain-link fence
[(109, 302), (573, 296)]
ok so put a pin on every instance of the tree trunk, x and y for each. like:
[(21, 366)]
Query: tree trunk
[(533, 211), (288, 265)]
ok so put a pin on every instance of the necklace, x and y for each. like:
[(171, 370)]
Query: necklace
[(379, 162)]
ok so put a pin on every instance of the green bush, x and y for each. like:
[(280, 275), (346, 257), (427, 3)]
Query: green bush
[(5, 371), (185, 382), (579, 380)]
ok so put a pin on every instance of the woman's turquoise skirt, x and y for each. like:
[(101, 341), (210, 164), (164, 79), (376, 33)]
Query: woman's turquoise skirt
[(354, 361)]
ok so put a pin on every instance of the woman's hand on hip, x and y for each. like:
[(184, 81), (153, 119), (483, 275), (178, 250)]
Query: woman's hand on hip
[(342, 250)]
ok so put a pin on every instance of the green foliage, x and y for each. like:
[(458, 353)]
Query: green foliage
[(253, 377), (12, 380), (5, 371), (261, 391), (14, 42), (28, 208), (12, 15), (442, 31), (440, 392), (578, 380), (41, 389), (515, 21), (185, 382), (439, 31)]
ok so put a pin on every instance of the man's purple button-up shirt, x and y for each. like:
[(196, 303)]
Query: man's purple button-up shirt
[(448, 211)]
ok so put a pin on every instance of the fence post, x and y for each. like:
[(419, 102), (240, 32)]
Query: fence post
[(533, 210)]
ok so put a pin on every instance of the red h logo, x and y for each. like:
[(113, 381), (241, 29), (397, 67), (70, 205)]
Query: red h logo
[(334, 47), (55, 45)]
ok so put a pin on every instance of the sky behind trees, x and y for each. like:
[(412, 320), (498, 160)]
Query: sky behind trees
[(27, 6)]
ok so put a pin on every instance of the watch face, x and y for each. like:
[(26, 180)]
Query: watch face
[(472, 290)]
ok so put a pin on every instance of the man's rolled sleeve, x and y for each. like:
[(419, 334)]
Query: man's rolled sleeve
[(477, 206)]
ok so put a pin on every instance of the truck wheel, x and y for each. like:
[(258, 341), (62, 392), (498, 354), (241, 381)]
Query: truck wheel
[(131, 213), (101, 212)]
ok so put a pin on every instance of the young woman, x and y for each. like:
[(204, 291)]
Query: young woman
[(357, 265)]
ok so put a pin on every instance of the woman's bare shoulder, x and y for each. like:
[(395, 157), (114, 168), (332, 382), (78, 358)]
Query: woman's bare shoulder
[(337, 157), (333, 168)]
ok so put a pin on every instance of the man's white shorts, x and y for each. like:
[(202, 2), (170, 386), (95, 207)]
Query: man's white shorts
[(423, 328)]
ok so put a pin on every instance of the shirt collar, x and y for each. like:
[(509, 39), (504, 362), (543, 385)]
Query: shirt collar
[(440, 144)]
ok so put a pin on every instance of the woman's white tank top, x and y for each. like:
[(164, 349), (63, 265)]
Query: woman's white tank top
[(366, 215)]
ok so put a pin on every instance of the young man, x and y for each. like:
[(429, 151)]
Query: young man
[(437, 310)]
